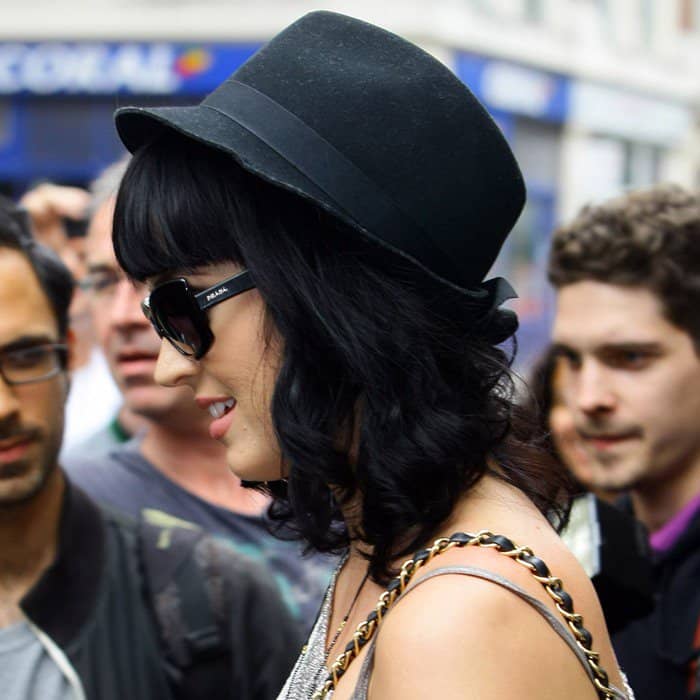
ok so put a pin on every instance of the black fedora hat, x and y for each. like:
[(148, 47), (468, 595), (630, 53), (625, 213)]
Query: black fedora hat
[(374, 130)]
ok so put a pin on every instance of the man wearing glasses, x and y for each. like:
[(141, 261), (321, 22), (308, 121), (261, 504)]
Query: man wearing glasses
[(58, 217), (85, 596)]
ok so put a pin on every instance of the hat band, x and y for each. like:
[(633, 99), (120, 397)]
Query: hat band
[(327, 168)]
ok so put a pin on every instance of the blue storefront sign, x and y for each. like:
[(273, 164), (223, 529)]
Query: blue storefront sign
[(117, 69), (511, 88), (57, 99)]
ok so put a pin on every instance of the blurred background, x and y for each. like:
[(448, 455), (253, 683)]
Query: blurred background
[(595, 96)]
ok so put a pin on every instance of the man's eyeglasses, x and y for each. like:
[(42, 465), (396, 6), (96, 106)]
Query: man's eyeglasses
[(103, 284), (178, 313), (33, 363)]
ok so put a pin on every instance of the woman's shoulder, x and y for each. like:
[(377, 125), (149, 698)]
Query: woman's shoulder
[(483, 580), (471, 629)]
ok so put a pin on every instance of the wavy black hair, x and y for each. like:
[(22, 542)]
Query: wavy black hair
[(538, 403), (392, 393)]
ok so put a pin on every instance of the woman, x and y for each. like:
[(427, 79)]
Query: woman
[(548, 404), (315, 235), (604, 537)]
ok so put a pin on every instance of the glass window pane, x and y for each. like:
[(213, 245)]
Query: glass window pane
[(537, 147)]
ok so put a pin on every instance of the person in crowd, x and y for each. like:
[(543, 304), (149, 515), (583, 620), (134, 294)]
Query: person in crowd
[(627, 275), (314, 238), (121, 423), (610, 544), (58, 215), (93, 606), (547, 401), (171, 468)]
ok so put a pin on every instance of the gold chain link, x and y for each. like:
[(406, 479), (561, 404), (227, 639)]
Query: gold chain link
[(523, 555)]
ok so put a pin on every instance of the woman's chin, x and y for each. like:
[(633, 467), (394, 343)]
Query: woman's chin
[(247, 468)]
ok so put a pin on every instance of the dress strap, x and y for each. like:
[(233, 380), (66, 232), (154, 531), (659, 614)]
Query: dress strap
[(557, 625)]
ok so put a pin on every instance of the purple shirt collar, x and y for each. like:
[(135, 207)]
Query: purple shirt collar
[(663, 539)]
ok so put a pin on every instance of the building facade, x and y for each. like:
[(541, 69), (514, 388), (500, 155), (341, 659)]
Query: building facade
[(595, 96)]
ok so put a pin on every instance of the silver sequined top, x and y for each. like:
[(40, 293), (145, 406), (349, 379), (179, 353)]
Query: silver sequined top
[(310, 670)]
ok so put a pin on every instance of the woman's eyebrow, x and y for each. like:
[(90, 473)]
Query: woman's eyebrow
[(161, 277)]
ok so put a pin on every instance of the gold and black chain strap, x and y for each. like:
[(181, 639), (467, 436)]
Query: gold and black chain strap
[(523, 555)]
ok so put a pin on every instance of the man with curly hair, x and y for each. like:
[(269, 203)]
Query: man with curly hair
[(627, 275)]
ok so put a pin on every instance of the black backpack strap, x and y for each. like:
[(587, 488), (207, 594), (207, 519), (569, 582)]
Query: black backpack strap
[(191, 617)]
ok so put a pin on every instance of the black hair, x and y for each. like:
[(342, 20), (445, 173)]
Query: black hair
[(54, 277), (537, 405), (391, 387), (539, 399)]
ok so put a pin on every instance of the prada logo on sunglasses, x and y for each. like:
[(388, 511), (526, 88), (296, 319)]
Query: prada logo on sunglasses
[(217, 293)]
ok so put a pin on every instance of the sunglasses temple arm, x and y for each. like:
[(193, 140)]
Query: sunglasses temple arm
[(241, 282)]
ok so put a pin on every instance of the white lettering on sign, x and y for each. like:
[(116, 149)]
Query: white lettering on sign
[(10, 56), (88, 68)]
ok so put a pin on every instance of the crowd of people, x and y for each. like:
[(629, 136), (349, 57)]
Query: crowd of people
[(623, 381), (253, 386)]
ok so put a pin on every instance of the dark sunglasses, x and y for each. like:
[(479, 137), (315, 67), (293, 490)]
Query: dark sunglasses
[(178, 313)]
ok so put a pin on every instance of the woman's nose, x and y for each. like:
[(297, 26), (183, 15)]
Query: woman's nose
[(175, 369)]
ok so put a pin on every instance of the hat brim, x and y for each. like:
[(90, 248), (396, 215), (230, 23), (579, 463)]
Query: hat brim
[(138, 126)]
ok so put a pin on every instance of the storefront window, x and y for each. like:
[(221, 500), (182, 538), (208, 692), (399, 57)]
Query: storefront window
[(537, 147), (70, 139), (58, 131), (642, 164), (533, 10)]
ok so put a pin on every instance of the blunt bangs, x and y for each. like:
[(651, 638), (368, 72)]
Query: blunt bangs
[(180, 206)]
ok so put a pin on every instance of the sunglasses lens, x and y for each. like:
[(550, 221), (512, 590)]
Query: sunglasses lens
[(178, 317)]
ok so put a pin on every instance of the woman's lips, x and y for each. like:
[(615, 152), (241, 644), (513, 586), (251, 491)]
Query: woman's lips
[(221, 408), (219, 427)]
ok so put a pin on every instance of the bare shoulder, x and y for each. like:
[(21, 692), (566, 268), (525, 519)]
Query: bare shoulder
[(459, 636)]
